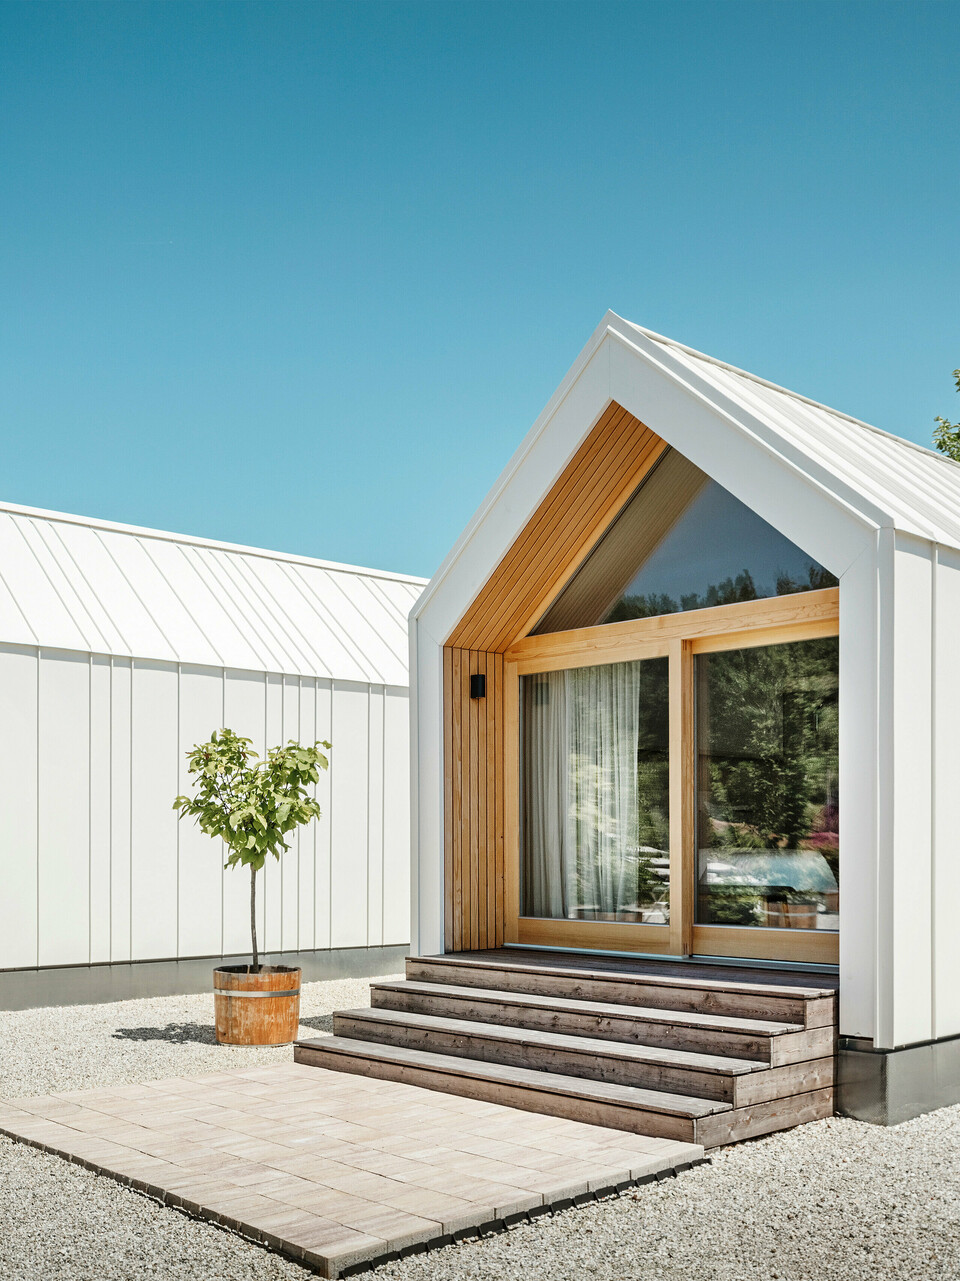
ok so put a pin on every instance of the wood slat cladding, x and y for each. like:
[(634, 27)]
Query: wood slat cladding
[(473, 800), (592, 489)]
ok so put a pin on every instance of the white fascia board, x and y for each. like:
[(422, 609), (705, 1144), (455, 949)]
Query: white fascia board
[(767, 472), (614, 366), (504, 489)]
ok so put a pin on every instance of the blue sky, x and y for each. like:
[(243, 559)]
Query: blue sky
[(302, 275)]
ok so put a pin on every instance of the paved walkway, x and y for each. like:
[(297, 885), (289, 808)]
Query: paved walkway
[(335, 1170)]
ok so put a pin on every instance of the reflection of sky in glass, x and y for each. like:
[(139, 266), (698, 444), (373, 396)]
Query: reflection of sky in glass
[(715, 538)]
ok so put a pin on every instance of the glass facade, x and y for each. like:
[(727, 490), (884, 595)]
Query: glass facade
[(595, 793), (767, 764), (682, 542)]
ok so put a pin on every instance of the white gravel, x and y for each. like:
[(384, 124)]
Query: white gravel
[(836, 1199)]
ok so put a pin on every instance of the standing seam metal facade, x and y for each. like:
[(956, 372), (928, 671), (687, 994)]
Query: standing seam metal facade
[(92, 743)]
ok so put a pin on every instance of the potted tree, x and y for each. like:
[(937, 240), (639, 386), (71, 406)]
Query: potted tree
[(252, 805)]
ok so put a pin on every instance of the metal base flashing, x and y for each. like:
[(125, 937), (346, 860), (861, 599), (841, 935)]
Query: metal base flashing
[(886, 1087)]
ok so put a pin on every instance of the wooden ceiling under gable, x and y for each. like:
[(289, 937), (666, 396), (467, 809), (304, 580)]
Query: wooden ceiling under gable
[(588, 494)]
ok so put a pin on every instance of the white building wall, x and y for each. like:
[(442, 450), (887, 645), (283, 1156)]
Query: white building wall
[(97, 866)]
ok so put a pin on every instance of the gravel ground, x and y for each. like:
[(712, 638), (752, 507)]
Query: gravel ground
[(836, 1198)]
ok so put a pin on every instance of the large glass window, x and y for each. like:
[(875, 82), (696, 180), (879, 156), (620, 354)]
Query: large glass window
[(768, 847), (682, 542), (595, 793)]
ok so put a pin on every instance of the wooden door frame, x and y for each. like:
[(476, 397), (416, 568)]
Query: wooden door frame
[(679, 638)]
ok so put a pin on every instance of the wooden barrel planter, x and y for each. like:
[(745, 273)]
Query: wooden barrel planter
[(262, 1008)]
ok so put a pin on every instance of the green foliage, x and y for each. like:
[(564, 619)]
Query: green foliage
[(946, 435), (252, 805)]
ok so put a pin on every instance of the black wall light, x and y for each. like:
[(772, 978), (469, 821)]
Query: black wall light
[(478, 686)]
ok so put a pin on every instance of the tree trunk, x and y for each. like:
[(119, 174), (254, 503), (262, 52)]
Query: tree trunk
[(253, 917)]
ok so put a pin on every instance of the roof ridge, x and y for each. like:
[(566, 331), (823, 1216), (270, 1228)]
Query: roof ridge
[(193, 540), (663, 340)]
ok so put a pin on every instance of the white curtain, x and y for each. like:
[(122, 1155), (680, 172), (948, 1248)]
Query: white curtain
[(581, 732)]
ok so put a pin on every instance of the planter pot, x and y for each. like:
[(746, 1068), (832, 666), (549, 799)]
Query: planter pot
[(256, 1009)]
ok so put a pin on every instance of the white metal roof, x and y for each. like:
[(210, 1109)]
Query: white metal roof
[(887, 480), (918, 488), (67, 582)]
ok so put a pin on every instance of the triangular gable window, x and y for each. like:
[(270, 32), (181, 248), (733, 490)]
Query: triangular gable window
[(681, 542)]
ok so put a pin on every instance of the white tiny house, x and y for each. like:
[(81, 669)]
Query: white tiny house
[(122, 647), (691, 591)]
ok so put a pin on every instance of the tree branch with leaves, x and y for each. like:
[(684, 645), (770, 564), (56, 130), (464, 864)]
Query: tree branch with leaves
[(252, 804), (946, 435)]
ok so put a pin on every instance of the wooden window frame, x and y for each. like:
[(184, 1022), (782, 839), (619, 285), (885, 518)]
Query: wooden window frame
[(679, 638)]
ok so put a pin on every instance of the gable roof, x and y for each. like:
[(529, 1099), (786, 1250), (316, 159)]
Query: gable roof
[(67, 582), (918, 487), (868, 478)]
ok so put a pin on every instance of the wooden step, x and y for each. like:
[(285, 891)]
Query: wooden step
[(739, 1082), (773, 1043), (641, 1111), (807, 1007)]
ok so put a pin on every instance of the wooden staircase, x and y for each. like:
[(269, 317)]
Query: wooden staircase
[(639, 1047)]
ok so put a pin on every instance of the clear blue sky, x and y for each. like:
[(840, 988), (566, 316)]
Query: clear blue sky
[(302, 275)]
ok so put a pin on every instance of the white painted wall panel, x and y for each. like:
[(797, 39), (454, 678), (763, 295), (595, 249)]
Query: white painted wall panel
[(271, 878), (306, 867), (322, 873), (154, 777), (101, 868), (946, 838), (375, 817), (348, 768), (396, 816), (909, 883), (63, 809), (100, 810), (121, 688), (289, 867), (18, 806), (244, 695), (199, 858)]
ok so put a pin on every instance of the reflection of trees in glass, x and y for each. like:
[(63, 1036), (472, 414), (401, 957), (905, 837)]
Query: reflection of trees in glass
[(768, 740), (727, 592)]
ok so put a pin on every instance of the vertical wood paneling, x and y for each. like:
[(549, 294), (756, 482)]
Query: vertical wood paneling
[(63, 845), (18, 806), (593, 487), (473, 852)]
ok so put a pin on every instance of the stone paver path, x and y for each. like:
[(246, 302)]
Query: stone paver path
[(336, 1170)]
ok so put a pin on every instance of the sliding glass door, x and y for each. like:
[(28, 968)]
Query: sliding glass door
[(683, 799), (596, 793), (767, 787)]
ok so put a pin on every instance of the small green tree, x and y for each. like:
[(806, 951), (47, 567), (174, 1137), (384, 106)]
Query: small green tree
[(251, 804), (946, 435)]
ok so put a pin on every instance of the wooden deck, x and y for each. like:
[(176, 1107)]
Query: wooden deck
[(337, 1171), (709, 1054)]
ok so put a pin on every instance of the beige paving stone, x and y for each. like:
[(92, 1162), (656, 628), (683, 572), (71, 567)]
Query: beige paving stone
[(333, 1169)]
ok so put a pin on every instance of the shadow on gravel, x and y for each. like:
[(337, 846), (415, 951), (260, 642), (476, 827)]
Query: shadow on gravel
[(175, 1033), (319, 1023)]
